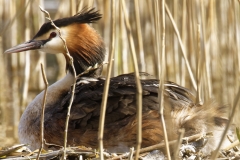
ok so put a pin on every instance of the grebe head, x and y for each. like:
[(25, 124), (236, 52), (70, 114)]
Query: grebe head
[(85, 45)]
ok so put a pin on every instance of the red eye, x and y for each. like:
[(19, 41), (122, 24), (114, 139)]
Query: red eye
[(53, 34)]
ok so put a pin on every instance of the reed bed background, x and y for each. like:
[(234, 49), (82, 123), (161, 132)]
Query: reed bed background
[(209, 31)]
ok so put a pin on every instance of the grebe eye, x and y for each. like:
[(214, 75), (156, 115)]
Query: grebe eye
[(52, 35)]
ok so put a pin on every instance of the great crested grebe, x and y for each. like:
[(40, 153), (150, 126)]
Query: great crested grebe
[(87, 49)]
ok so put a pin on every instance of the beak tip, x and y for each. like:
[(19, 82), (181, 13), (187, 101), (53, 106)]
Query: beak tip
[(7, 51), (31, 45), (11, 50)]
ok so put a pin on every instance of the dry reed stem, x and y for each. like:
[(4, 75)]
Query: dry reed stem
[(107, 82), (184, 35), (216, 152), (25, 86), (161, 69), (80, 5), (175, 48), (179, 142), (207, 80), (73, 7), (161, 77), (122, 42), (139, 36), (153, 35), (43, 109), (138, 82), (90, 3), (74, 83), (182, 48), (199, 68), (15, 79)]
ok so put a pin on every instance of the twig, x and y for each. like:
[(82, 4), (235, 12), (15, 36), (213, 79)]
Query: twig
[(10, 150), (52, 144), (91, 68), (106, 84), (43, 109), (232, 145), (138, 82), (74, 82), (216, 152), (182, 47)]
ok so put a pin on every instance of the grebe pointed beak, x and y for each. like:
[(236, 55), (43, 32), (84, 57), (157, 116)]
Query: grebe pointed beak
[(30, 45)]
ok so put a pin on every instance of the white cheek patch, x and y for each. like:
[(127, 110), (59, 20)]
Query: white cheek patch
[(55, 45)]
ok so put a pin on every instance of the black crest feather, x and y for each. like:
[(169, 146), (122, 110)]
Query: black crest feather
[(84, 16)]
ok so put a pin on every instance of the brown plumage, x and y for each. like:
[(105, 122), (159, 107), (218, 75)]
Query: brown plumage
[(87, 49)]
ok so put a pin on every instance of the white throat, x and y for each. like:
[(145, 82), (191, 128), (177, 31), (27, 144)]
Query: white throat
[(28, 130)]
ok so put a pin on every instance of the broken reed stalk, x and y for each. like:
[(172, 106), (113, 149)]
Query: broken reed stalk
[(107, 81), (74, 83), (130, 156), (216, 152), (43, 109), (178, 143), (182, 47), (138, 82)]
